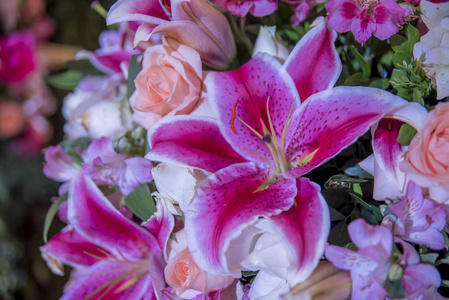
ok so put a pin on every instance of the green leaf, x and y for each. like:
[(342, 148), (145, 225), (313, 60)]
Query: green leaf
[(442, 261), (364, 65), (382, 83), (67, 80), (140, 202), (133, 71), (417, 97), (395, 289), (357, 189), (445, 283), (412, 35), (335, 214), (429, 258), (51, 214), (339, 234), (373, 209), (84, 66), (406, 134), (396, 42), (357, 79)]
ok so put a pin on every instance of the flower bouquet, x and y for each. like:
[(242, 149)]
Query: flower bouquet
[(256, 150)]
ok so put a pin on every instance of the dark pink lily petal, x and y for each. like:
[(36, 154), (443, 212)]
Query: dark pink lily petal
[(109, 280), (243, 93), (306, 227), (388, 153), (229, 201), (314, 64), (96, 219), (332, 120), (197, 139), (72, 249), (161, 225), (147, 11), (111, 63)]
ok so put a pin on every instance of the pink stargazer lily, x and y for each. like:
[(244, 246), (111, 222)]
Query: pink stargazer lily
[(264, 139), (114, 257)]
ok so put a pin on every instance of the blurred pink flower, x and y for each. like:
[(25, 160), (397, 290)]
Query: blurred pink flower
[(258, 8), (18, 55), (381, 18)]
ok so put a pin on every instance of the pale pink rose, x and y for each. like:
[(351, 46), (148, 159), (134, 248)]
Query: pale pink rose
[(169, 84), (427, 161), (185, 277)]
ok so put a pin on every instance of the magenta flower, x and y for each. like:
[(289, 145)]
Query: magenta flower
[(374, 262), (417, 220), (18, 55), (114, 54), (114, 258), (106, 166), (369, 266), (381, 18), (264, 140), (258, 8)]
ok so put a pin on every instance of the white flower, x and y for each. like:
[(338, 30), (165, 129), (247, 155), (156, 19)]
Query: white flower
[(268, 42), (98, 107), (433, 49), (176, 185), (435, 14)]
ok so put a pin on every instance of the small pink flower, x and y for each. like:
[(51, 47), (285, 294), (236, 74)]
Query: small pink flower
[(239, 8), (381, 18), (185, 277), (169, 84), (417, 220), (17, 56)]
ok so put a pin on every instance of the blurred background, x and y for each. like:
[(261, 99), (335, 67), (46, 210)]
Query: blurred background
[(36, 37)]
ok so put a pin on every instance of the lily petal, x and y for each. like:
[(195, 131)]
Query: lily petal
[(107, 280), (314, 64), (70, 248), (388, 153), (197, 138), (243, 93), (332, 120), (161, 225), (227, 202), (147, 11), (212, 52), (96, 219), (306, 227)]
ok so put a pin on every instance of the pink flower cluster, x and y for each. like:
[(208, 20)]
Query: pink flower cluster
[(230, 151)]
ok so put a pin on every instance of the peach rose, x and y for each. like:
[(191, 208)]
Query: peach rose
[(427, 161), (12, 119), (169, 84), (185, 277)]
